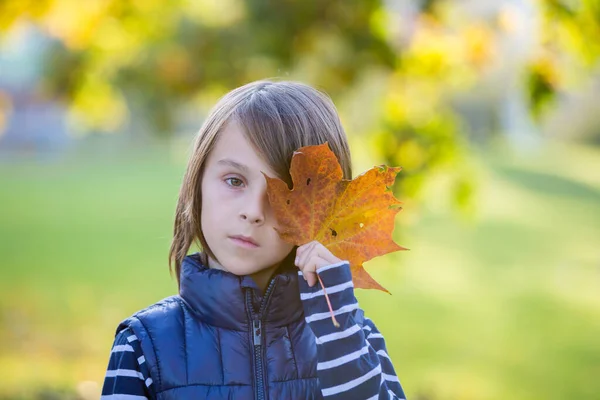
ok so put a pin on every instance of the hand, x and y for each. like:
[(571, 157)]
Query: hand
[(312, 256)]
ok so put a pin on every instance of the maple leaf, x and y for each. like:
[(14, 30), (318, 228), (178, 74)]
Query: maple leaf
[(353, 219)]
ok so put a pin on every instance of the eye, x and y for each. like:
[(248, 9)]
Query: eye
[(234, 182)]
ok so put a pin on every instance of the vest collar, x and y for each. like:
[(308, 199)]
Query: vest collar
[(218, 297)]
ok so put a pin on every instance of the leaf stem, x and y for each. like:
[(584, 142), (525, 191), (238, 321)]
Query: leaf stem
[(335, 323)]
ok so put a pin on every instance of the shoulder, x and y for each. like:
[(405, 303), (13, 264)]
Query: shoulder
[(127, 374), (157, 326), (125, 350), (163, 306), (157, 329), (157, 313), (124, 337)]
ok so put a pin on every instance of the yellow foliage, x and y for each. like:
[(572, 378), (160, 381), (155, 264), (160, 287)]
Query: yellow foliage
[(546, 67), (479, 44), (116, 39), (508, 18), (432, 51), (174, 63), (411, 155), (74, 21), (380, 23), (98, 105), (212, 13)]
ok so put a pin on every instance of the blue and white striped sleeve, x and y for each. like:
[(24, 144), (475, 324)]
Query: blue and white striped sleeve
[(352, 360), (127, 376)]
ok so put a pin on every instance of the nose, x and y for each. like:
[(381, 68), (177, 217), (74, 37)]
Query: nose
[(254, 206)]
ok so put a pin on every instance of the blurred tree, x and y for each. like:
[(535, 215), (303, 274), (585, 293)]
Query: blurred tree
[(115, 58), (569, 49), (150, 58)]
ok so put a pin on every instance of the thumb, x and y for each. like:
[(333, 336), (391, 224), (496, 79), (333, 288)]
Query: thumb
[(310, 277)]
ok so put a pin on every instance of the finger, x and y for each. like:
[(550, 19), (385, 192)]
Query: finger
[(325, 253), (308, 273), (310, 269), (310, 278), (299, 250), (305, 255), (301, 254), (303, 247)]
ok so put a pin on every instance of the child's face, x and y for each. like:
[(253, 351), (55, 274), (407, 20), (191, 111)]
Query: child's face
[(235, 203)]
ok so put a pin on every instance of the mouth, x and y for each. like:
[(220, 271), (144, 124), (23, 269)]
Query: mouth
[(244, 241)]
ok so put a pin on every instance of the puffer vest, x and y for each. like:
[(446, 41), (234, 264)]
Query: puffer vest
[(212, 342)]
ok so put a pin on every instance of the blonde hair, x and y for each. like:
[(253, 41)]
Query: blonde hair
[(278, 117)]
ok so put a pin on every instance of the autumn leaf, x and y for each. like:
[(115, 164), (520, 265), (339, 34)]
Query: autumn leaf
[(353, 219)]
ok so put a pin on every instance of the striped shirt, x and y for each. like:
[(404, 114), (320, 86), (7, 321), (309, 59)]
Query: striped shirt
[(353, 362), (127, 376)]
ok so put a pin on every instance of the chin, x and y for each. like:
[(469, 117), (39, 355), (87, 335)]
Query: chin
[(242, 267), (245, 271)]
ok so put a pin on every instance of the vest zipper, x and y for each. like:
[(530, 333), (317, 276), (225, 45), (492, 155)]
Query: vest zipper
[(257, 322)]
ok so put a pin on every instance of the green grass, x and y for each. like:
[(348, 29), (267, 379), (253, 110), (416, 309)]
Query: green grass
[(502, 305)]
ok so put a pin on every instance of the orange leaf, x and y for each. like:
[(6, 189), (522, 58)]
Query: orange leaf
[(353, 219)]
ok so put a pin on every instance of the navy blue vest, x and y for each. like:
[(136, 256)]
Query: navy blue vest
[(212, 341)]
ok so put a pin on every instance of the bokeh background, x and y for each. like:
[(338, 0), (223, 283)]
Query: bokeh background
[(492, 108)]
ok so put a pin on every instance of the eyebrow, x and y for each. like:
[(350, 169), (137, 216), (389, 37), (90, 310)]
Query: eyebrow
[(234, 164)]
